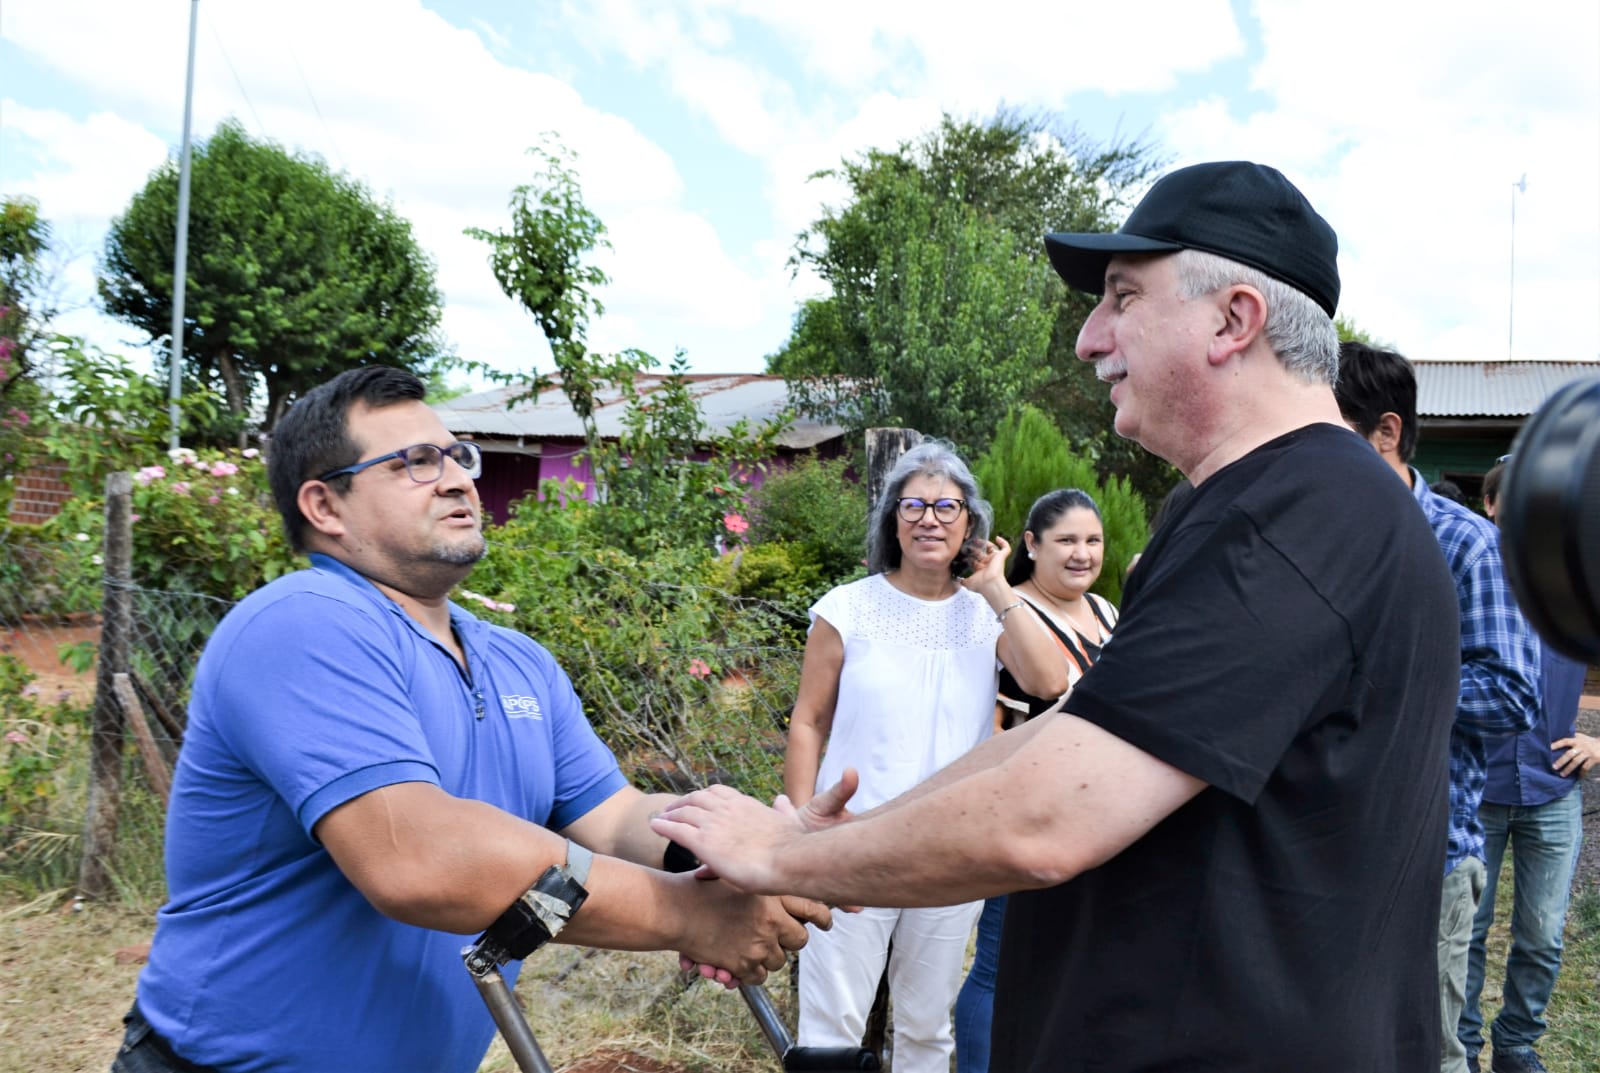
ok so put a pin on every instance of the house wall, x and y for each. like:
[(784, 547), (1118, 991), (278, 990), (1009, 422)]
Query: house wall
[(38, 493), (509, 475)]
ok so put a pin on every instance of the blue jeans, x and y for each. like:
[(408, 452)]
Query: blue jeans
[(1544, 852), (143, 1051), (974, 1016)]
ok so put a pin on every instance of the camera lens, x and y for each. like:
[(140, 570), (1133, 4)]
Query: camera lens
[(1550, 519)]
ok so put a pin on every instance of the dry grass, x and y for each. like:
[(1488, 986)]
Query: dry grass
[(63, 993), (1571, 1043), (62, 990)]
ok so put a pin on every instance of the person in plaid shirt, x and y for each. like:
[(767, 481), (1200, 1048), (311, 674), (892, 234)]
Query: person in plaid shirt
[(1377, 393)]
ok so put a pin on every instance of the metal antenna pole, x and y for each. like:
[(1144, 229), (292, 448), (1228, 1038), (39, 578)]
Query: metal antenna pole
[(180, 267), (1520, 186)]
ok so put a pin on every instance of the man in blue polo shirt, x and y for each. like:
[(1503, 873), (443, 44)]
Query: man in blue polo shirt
[(1377, 393), (370, 775)]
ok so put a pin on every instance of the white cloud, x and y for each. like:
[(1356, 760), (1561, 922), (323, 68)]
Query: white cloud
[(1405, 125), (1408, 140)]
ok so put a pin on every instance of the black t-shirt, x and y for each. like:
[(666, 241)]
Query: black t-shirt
[(1290, 637)]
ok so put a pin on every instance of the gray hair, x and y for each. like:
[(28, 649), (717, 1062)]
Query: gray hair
[(1297, 329), (931, 458)]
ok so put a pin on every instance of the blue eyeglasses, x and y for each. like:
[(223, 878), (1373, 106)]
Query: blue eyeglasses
[(424, 462)]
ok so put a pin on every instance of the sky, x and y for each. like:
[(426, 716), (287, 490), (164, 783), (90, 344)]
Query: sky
[(699, 126)]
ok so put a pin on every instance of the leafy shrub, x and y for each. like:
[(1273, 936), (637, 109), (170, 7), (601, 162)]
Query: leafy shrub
[(816, 506), (39, 733), (202, 523), (647, 639), (670, 479)]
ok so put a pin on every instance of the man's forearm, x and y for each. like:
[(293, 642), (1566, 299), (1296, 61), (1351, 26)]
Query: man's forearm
[(1058, 797)]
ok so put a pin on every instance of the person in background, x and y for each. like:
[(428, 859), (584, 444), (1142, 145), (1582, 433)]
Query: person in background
[(898, 680), (370, 775), (1531, 802), (1450, 490), (1064, 545), (1499, 691)]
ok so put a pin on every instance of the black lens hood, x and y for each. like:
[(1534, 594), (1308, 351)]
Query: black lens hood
[(1549, 518)]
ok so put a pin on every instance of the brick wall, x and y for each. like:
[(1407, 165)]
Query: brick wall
[(38, 493)]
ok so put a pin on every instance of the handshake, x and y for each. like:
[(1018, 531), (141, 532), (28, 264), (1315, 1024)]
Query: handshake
[(757, 910)]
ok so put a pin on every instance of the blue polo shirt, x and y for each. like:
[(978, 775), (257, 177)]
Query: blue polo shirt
[(1521, 768), (314, 690)]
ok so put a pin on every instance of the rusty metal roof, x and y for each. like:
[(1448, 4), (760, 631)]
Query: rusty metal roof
[(1492, 388), (723, 399)]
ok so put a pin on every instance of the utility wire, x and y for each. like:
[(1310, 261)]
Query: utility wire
[(338, 156), (260, 126)]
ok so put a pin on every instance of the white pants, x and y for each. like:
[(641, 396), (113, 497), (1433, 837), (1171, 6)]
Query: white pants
[(839, 972)]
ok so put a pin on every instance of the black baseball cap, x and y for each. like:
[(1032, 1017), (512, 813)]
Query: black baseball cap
[(1242, 211)]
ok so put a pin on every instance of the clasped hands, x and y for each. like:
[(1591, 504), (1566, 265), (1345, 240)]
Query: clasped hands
[(742, 842)]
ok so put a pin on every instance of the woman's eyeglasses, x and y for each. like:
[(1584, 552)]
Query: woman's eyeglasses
[(912, 509)]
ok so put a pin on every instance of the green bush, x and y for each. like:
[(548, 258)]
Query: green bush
[(651, 642), (817, 507), (39, 734), (203, 522), (1029, 457)]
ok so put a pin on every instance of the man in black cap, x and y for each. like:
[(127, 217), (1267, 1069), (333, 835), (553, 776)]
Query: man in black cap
[(1228, 841)]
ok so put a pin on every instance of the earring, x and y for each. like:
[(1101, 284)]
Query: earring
[(1031, 555)]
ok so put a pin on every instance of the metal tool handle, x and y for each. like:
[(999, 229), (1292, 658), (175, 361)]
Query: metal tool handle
[(484, 968), (772, 1026)]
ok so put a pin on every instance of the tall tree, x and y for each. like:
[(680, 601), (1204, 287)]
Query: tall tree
[(950, 332), (540, 263), (295, 272), (1016, 174), (25, 313)]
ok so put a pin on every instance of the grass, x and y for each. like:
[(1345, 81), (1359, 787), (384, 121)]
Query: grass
[(63, 993), (1571, 1043)]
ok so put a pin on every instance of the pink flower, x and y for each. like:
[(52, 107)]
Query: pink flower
[(249, 452), (150, 473), (16, 737), (223, 469), (213, 500), (699, 668), (31, 689), (735, 523), (181, 487)]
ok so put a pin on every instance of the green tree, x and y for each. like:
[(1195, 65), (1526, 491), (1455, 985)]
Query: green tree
[(1351, 332), (1029, 457), (294, 273), (1017, 174), (955, 324), (540, 264), (669, 480), (25, 312)]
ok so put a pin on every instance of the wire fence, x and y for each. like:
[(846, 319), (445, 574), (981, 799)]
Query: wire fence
[(679, 710)]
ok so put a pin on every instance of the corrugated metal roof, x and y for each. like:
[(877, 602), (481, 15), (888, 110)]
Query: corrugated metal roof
[(723, 399), (1492, 388)]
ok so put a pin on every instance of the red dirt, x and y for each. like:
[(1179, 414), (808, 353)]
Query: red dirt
[(38, 647)]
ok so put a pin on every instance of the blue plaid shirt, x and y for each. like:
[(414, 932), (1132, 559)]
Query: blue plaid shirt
[(1499, 661)]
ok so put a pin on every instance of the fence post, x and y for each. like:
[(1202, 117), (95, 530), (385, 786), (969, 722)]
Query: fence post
[(107, 734), (884, 448)]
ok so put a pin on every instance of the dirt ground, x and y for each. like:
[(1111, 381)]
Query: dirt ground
[(38, 646)]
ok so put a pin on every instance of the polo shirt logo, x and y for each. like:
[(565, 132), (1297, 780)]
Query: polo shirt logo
[(521, 707)]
